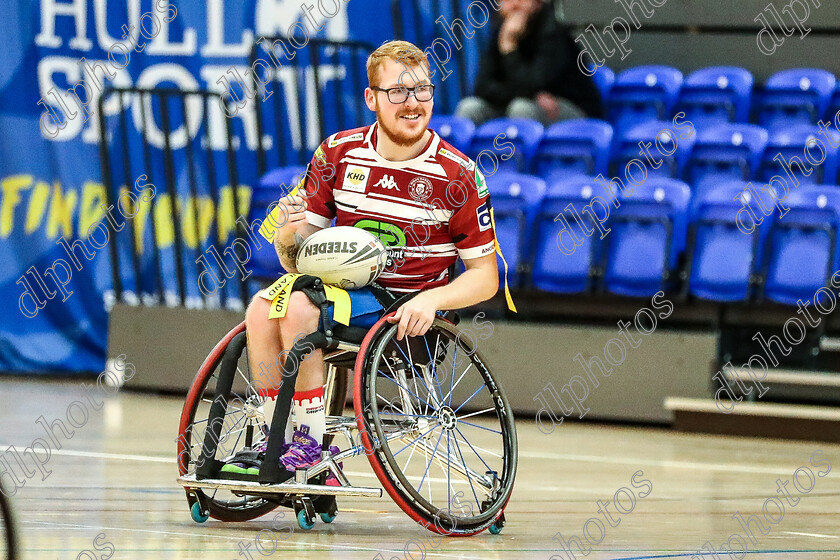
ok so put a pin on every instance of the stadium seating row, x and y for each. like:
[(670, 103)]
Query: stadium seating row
[(714, 95), (725, 244), (701, 155), (720, 94)]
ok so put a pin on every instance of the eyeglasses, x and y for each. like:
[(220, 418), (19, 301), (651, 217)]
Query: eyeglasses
[(398, 95)]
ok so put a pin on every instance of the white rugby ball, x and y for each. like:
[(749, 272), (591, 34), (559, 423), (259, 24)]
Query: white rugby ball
[(344, 256)]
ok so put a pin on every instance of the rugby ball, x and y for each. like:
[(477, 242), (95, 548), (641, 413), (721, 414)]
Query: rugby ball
[(344, 256)]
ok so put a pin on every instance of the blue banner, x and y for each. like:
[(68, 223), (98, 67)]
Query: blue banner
[(55, 285)]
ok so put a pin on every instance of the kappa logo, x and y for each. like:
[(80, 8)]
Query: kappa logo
[(387, 182), (356, 179)]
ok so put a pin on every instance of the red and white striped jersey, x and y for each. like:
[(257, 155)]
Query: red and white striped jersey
[(426, 210)]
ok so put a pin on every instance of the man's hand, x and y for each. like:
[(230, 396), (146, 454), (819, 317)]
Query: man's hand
[(549, 104), (295, 225), (416, 315), (295, 208), (511, 30), (479, 282)]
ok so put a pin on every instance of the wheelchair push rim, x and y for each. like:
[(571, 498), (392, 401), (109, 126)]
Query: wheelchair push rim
[(454, 423)]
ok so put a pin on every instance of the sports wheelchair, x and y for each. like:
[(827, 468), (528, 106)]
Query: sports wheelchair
[(431, 419)]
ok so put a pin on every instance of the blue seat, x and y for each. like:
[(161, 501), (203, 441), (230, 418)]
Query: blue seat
[(516, 198), (458, 131), (604, 79), (662, 136), (565, 270), (790, 143), (524, 134), (796, 96), (722, 256), (578, 146), (833, 106), (646, 238), (644, 93), (272, 186), (725, 153), (802, 246), (717, 94)]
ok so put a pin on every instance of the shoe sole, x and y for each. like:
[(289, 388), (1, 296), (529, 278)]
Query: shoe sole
[(244, 476)]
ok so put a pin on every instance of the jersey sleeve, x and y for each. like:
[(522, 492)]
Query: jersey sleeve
[(318, 185), (470, 225)]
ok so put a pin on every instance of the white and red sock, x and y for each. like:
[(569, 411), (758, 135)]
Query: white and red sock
[(270, 402), (309, 411)]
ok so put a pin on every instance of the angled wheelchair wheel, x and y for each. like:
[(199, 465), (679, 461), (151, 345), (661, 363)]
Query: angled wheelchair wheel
[(436, 426), (8, 535), (225, 371)]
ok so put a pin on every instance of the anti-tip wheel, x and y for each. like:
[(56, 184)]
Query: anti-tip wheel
[(196, 513), (304, 521), (495, 528), (327, 518)]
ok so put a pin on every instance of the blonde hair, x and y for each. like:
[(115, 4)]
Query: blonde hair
[(400, 51)]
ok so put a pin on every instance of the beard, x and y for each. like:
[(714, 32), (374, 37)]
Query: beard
[(399, 138)]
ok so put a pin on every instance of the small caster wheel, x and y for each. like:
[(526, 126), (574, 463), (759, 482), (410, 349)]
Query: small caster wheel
[(328, 518), (497, 527), (305, 522), (196, 513)]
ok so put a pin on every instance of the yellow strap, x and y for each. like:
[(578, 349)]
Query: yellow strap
[(268, 226), (280, 303), (341, 304), (279, 292), (271, 292), (509, 299)]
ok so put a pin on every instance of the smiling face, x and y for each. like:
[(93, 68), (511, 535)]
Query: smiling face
[(403, 123)]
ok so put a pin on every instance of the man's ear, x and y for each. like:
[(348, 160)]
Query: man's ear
[(370, 101)]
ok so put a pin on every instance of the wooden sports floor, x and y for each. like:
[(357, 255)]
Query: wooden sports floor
[(113, 485)]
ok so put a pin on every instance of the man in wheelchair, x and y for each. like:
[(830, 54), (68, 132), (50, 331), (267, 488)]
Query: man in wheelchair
[(398, 180)]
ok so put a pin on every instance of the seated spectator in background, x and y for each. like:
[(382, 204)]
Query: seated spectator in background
[(530, 70)]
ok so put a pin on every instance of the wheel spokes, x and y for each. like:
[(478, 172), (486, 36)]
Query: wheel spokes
[(421, 406)]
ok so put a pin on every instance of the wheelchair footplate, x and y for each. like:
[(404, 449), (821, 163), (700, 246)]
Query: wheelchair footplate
[(299, 484), (300, 492)]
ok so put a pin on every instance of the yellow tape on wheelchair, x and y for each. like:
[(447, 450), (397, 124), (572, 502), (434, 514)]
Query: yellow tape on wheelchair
[(508, 297), (341, 304), (274, 219)]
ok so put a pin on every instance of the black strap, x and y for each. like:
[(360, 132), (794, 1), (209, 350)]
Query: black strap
[(382, 295), (388, 300)]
